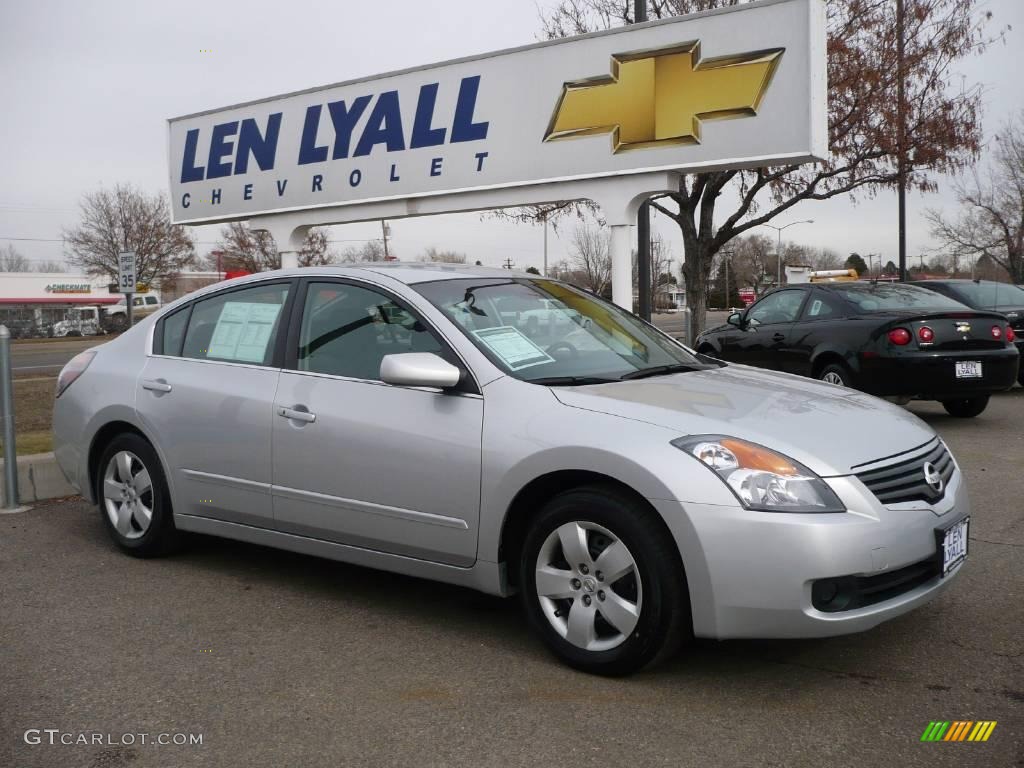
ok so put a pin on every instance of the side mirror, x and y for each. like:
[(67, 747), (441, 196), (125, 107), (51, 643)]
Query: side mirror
[(736, 318), (419, 369)]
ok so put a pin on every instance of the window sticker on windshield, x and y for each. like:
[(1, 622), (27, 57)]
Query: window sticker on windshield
[(243, 331), (514, 349)]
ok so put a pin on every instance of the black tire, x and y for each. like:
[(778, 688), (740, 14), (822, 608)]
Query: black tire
[(664, 612), (160, 537), (966, 407), (836, 371), (117, 322)]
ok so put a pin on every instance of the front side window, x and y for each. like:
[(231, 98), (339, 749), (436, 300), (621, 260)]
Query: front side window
[(238, 326), (347, 330), (781, 307), (551, 333)]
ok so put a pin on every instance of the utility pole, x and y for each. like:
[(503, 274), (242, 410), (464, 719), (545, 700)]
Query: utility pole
[(508, 262), (643, 221), (384, 230), (901, 136)]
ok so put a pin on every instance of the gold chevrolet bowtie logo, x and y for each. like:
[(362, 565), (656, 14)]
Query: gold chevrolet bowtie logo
[(661, 97)]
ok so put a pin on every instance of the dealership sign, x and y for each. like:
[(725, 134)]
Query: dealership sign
[(736, 87)]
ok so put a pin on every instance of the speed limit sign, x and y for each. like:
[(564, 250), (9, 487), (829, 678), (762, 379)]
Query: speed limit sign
[(126, 271)]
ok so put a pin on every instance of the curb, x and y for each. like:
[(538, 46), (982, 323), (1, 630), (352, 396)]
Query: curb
[(39, 479)]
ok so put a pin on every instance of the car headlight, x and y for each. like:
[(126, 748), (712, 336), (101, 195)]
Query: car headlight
[(761, 478)]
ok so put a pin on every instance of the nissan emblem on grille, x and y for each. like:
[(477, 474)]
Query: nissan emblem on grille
[(932, 477)]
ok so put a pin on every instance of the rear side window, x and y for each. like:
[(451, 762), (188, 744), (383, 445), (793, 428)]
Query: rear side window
[(881, 297), (822, 306), (151, 300), (238, 326), (174, 332)]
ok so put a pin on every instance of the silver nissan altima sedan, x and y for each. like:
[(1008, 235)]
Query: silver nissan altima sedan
[(511, 433)]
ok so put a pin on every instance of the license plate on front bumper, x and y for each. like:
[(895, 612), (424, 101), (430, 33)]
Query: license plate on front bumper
[(968, 370), (953, 541)]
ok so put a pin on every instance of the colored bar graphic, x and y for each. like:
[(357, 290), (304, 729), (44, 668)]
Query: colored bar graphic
[(958, 730), (935, 730)]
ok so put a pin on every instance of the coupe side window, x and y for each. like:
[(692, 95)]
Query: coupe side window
[(347, 330), (781, 307), (238, 326), (822, 306)]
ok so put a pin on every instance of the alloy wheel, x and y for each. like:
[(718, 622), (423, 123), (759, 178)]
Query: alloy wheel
[(833, 378), (588, 586), (128, 495)]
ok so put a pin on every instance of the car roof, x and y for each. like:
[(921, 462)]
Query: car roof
[(408, 272)]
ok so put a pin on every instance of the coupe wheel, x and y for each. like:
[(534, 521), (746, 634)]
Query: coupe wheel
[(966, 407), (602, 584), (835, 374), (133, 497)]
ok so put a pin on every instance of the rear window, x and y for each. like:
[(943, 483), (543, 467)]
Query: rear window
[(882, 297), (990, 295)]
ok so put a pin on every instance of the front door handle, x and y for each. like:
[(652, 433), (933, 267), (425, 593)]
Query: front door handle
[(156, 385), (296, 415), (779, 337)]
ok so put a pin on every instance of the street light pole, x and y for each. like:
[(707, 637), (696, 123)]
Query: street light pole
[(901, 149), (778, 246)]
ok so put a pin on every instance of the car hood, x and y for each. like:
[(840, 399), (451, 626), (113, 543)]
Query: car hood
[(829, 429)]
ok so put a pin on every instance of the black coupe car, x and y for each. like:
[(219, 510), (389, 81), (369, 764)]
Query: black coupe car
[(887, 339), (1003, 298)]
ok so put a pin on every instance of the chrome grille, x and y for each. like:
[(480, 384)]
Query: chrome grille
[(903, 479)]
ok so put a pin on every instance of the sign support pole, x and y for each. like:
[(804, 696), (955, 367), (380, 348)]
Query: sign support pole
[(622, 267), (643, 223)]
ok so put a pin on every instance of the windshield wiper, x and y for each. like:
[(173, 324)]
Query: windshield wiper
[(660, 370), (570, 381)]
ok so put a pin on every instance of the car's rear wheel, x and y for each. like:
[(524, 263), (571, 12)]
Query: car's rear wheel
[(966, 407), (834, 373), (602, 583), (133, 498)]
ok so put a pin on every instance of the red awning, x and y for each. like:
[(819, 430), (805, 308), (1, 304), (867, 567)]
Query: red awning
[(86, 300)]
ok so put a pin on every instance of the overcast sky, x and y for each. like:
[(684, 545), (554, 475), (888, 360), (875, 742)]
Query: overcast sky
[(87, 88)]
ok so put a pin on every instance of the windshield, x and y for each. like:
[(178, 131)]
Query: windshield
[(990, 295), (550, 333), (882, 297)]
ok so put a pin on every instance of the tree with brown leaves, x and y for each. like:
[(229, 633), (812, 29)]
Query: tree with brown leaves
[(942, 131)]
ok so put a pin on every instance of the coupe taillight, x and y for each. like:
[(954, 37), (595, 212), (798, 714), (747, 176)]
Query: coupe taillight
[(1010, 335), (899, 336), (997, 332), (925, 335)]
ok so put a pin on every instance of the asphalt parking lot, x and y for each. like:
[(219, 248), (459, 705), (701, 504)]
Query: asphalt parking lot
[(283, 660)]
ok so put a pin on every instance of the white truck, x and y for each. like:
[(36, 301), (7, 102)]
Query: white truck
[(94, 321)]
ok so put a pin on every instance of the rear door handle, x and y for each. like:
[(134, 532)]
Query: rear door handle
[(156, 385), (291, 413), (779, 337)]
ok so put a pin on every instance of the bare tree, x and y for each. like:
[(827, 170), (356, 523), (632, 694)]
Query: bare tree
[(446, 257), (991, 222), (753, 261), (942, 130), (11, 260), (51, 266), (371, 250), (588, 250), (126, 219), (244, 250), (661, 258)]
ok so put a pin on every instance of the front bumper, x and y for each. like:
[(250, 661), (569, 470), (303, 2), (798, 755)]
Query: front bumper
[(750, 574)]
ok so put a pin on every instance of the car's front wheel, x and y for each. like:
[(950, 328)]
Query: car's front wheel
[(602, 582), (965, 407), (134, 499)]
